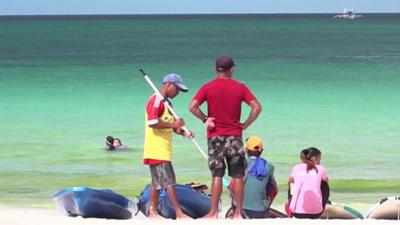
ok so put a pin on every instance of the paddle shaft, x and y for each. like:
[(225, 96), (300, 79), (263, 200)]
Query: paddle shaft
[(151, 84)]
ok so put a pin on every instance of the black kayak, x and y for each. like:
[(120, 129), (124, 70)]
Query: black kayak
[(193, 203), (93, 203)]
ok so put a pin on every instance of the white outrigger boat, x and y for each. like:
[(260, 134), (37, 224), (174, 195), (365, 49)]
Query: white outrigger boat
[(348, 14)]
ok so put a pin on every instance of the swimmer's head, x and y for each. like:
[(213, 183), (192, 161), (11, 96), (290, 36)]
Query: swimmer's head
[(110, 142), (117, 142)]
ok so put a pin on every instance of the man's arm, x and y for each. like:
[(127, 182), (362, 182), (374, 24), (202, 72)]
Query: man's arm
[(194, 108), (163, 125), (272, 189), (255, 111)]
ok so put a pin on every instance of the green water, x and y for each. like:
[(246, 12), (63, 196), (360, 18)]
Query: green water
[(68, 82)]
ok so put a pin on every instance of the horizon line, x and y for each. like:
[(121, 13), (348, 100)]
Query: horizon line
[(172, 14)]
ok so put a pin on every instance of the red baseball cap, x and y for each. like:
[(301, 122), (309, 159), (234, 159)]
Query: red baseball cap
[(224, 63)]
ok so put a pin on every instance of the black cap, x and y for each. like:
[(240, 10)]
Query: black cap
[(224, 63)]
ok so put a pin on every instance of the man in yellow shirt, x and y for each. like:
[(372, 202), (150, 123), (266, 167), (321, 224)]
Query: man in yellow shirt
[(160, 124)]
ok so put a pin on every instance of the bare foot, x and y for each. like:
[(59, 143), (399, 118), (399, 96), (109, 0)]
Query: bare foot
[(154, 215), (237, 215), (183, 217), (210, 216)]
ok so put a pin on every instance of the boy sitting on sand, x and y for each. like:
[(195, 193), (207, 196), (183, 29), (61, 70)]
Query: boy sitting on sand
[(260, 186)]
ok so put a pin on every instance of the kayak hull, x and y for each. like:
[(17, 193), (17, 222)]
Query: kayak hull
[(93, 203)]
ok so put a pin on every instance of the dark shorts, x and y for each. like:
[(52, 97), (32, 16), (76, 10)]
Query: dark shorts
[(229, 148), (162, 175)]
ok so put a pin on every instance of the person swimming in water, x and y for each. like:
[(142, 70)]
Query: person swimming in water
[(110, 143), (118, 144), (114, 144)]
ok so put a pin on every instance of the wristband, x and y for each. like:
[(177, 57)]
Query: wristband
[(205, 119)]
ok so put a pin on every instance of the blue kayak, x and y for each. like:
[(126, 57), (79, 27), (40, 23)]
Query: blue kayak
[(93, 203), (193, 203)]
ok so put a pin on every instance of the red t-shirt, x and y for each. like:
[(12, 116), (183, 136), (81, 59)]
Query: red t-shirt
[(224, 99), (154, 110)]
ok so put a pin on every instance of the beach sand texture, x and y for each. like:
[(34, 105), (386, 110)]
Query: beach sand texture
[(42, 217)]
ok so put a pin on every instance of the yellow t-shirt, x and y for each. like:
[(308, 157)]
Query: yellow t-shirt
[(157, 142)]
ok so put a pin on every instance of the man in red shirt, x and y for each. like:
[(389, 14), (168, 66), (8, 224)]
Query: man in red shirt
[(224, 97)]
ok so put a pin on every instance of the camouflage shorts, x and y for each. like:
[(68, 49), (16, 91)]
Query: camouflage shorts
[(229, 148), (162, 175)]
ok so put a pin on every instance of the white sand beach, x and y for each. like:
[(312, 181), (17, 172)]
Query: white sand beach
[(54, 217)]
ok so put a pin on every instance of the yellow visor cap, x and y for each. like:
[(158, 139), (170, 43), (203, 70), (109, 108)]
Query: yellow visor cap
[(254, 143)]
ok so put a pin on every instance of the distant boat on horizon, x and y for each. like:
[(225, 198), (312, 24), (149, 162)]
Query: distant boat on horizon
[(348, 14)]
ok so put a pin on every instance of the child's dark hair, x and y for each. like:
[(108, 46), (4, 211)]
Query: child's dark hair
[(309, 153), (119, 140), (303, 155), (110, 142), (253, 153)]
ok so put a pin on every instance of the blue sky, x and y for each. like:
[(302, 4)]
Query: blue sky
[(51, 7)]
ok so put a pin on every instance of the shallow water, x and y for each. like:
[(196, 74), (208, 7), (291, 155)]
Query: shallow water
[(67, 83)]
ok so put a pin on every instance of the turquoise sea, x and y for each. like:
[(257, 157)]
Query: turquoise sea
[(67, 82)]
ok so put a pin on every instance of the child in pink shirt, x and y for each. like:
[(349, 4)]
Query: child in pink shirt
[(306, 201)]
